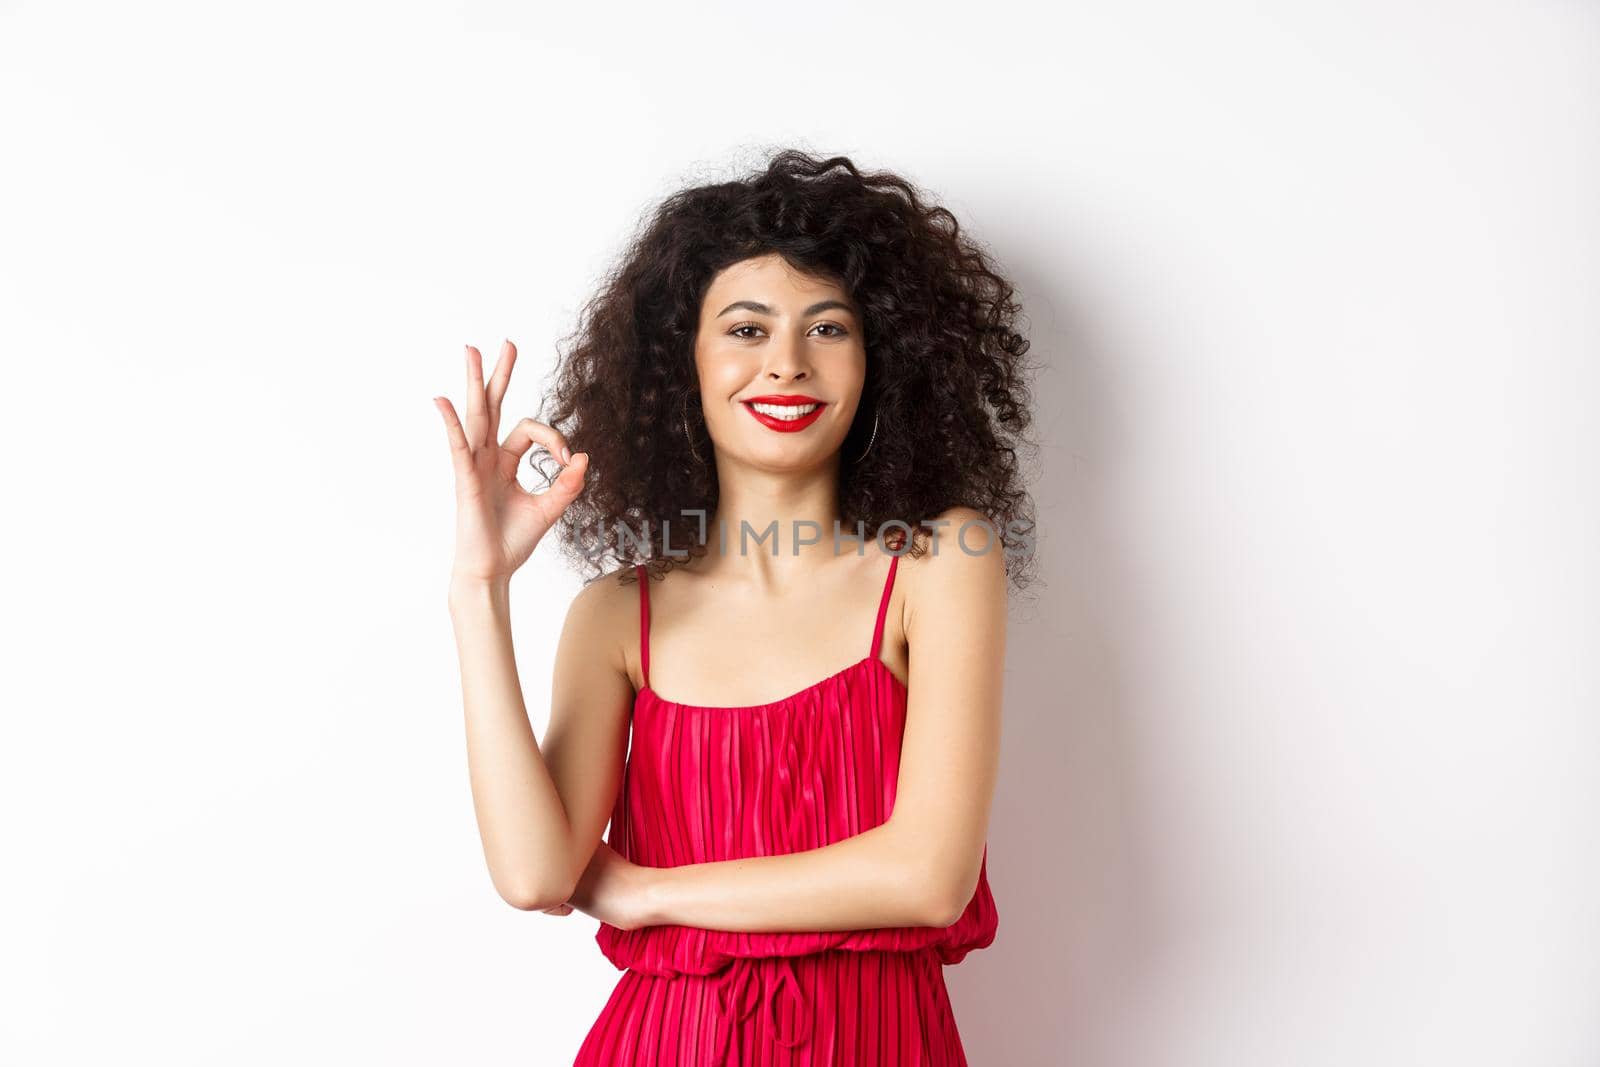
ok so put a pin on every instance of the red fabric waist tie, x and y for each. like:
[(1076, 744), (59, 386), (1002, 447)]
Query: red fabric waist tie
[(739, 987)]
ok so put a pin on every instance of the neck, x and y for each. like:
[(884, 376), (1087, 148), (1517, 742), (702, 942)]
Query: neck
[(775, 520)]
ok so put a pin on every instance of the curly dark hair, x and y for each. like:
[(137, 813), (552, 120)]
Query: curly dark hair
[(945, 371)]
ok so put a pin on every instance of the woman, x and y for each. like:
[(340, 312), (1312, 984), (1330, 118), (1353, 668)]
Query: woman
[(790, 383)]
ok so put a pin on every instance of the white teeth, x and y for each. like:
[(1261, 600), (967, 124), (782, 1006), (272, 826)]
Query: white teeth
[(787, 412)]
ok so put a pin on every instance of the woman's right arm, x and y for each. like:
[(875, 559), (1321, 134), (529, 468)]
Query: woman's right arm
[(541, 806), (540, 809)]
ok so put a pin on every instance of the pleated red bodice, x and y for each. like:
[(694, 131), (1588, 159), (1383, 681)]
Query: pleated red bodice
[(797, 773)]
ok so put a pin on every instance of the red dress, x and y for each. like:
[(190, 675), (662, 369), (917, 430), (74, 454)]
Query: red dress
[(717, 783)]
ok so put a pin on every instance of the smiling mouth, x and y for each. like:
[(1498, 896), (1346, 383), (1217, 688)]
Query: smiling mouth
[(787, 412), (785, 417)]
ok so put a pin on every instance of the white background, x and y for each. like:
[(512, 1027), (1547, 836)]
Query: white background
[(1300, 733)]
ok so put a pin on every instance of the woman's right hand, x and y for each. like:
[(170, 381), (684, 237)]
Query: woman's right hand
[(499, 523)]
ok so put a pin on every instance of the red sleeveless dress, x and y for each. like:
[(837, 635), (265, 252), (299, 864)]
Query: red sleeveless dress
[(716, 783)]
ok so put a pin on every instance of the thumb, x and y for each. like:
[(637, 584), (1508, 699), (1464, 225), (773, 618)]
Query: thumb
[(565, 489), (569, 483)]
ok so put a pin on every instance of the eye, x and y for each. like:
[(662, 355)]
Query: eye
[(738, 331)]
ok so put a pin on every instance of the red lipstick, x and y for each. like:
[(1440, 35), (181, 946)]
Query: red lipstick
[(782, 425)]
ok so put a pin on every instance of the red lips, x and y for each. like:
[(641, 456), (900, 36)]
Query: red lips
[(785, 425)]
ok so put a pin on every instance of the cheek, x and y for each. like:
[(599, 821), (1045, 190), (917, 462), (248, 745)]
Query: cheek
[(721, 376), (720, 381), (851, 388)]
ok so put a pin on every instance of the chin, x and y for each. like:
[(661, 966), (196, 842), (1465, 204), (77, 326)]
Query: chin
[(788, 457)]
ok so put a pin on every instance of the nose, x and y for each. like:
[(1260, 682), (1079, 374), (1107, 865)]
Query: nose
[(786, 360)]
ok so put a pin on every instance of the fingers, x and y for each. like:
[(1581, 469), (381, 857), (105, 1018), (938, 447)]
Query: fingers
[(477, 402), (460, 451), (522, 437), (484, 404), (497, 385)]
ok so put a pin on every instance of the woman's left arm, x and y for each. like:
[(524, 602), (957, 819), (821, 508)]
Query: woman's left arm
[(918, 868)]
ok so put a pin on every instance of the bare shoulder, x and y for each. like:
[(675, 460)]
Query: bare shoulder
[(963, 572), (603, 616)]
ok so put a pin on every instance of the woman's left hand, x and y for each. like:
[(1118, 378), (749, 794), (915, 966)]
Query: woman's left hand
[(612, 890)]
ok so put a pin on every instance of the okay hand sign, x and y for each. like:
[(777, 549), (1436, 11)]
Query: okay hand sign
[(498, 523)]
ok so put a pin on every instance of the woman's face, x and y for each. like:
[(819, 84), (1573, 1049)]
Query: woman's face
[(791, 344)]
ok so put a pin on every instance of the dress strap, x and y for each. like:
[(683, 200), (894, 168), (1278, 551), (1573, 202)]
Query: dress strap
[(883, 607), (644, 622)]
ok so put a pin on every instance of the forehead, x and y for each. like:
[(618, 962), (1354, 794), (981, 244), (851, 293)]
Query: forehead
[(770, 278)]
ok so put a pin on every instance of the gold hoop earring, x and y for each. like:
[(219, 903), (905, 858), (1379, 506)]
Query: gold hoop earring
[(684, 407), (871, 439)]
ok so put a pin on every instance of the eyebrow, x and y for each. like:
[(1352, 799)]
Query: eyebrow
[(762, 309)]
